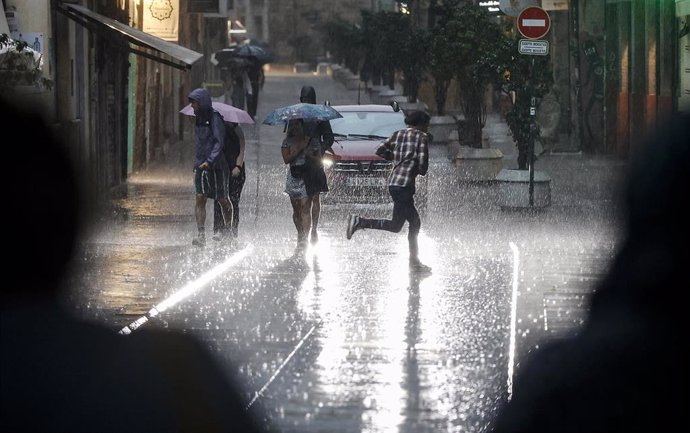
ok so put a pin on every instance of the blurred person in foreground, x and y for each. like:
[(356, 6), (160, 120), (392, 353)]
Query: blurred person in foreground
[(59, 373), (408, 148), (624, 371)]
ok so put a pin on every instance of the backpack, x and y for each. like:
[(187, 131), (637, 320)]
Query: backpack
[(231, 147)]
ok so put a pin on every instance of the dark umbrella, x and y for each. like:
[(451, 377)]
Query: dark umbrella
[(259, 53)]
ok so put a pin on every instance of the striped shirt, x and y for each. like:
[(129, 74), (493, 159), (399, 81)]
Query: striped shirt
[(408, 148)]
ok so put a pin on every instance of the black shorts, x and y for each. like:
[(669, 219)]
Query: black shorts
[(211, 183)]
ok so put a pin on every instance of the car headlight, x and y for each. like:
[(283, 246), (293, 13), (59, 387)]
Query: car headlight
[(327, 161)]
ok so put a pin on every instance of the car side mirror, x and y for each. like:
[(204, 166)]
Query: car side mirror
[(395, 105), (327, 103)]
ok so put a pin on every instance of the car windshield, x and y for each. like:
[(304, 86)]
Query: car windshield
[(368, 123)]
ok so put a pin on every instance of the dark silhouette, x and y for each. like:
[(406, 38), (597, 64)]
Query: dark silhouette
[(61, 374), (234, 155), (624, 370), (255, 72)]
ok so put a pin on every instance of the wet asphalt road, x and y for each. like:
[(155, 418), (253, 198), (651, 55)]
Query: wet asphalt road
[(342, 337)]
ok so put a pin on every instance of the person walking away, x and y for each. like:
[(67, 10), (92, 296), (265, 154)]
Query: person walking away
[(320, 137), (234, 156), (255, 75), (293, 150), (210, 167), (408, 148)]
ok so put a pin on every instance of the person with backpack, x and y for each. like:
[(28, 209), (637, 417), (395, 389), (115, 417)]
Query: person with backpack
[(233, 152), (320, 139), (210, 166)]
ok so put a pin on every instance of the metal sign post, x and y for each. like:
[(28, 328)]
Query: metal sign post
[(533, 23)]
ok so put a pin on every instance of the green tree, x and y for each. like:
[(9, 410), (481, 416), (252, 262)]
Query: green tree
[(344, 41), (443, 50), (413, 44)]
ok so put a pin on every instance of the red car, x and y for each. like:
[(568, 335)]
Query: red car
[(355, 173)]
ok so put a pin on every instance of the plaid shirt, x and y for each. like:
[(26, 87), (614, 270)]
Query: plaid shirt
[(409, 151)]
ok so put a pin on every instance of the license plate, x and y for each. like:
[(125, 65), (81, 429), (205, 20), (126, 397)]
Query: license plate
[(366, 181)]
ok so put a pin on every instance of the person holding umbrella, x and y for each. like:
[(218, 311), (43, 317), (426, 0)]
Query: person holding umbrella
[(233, 151), (295, 147), (210, 166), (320, 137)]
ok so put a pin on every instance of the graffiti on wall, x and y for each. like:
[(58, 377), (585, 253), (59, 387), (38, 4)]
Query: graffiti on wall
[(593, 91)]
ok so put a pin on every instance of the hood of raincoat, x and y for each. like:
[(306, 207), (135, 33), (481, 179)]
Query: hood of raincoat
[(308, 95), (202, 96)]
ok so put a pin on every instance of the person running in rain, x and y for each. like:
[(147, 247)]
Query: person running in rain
[(294, 149), (234, 156), (320, 137), (408, 148), (210, 167)]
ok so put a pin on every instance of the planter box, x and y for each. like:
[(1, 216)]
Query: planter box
[(352, 82), (386, 96), (301, 68), (513, 189), (412, 106), (324, 68), (440, 127), (478, 165), (374, 90)]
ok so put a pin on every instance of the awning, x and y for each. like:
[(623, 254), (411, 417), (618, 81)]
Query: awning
[(162, 51)]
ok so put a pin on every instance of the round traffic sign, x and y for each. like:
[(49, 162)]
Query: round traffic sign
[(534, 22)]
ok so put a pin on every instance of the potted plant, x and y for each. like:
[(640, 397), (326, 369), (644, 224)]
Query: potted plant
[(524, 77), (344, 41), (380, 59), (411, 41), (442, 52), (20, 66)]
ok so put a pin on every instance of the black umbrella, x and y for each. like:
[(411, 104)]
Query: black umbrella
[(226, 58), (259, 53)]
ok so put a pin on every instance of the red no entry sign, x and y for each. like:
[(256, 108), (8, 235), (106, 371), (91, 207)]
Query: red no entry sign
[(534, 22)]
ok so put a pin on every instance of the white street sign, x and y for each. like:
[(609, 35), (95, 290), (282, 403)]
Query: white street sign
[(533, 48)]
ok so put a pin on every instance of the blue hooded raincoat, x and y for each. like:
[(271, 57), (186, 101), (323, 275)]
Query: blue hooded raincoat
[(209, 132)]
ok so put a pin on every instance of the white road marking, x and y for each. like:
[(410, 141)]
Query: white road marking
[(513, 318), (280, 368), (188, 289)]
